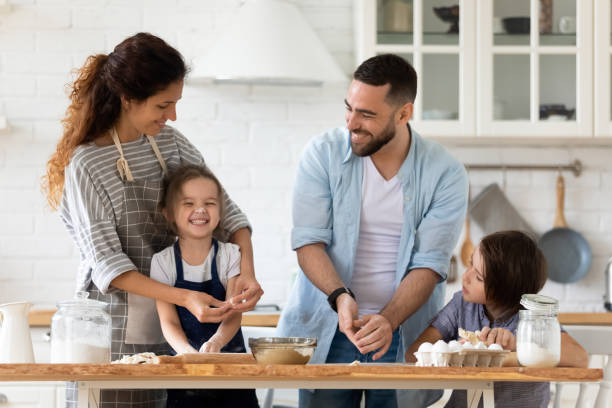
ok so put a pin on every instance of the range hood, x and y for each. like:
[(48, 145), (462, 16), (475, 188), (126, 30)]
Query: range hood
[(268, 42)]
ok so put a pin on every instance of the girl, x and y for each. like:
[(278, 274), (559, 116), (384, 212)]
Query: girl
[(193, 206), (505, 265), (105, 178)]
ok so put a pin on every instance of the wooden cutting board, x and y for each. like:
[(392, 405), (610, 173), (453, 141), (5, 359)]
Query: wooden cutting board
[(209, 358)]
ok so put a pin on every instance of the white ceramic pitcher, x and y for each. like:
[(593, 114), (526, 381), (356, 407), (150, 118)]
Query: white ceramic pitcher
[(15, 340)]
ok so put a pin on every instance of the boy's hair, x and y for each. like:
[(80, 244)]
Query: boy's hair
[(173, 185), (514, 265), (393, 70)]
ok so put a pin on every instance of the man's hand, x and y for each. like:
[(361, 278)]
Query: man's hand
[(375, 333), (207, 308), (500, 336), (347, 313), (249, 294)]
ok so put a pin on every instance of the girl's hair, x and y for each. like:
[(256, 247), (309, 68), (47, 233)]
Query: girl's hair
[(173, 187), (514, 265), (138, 68)]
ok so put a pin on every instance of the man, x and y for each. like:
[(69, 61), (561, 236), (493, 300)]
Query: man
[(377, 211)]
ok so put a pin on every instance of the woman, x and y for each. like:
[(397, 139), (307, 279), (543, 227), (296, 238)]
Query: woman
[(106, 179)]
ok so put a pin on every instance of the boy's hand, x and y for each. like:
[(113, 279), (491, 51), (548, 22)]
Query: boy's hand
[(210, 347), (500, 336)]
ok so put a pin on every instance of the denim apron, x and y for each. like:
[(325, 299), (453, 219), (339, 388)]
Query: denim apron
[(197, 334)]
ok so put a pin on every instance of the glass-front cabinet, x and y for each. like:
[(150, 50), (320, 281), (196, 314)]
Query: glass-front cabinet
[(534, 63), (431, 35), (492, 67)]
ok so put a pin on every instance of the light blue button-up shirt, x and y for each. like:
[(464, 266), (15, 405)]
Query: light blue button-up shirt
[(326, 209)]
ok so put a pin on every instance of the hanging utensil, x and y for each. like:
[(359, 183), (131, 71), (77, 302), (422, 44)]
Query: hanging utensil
[(452, 270), (467, 248), (567, 253)]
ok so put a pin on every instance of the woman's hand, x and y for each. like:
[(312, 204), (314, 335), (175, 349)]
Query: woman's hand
[(500, 336), (249, 293), (206, 308), (210, 347)]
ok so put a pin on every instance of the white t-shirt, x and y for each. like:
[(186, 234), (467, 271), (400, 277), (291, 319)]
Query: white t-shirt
[(163, 268), (382, 217)]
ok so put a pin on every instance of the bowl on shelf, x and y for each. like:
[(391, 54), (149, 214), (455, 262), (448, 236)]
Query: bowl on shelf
[(556, 112), (449, 15), (282, 350), (517, 25)]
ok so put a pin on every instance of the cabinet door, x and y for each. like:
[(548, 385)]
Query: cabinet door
[(603, 68), (28, 395), (534, 68), (438, 38)]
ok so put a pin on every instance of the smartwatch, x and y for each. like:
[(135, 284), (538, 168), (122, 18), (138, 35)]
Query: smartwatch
[(331, 299)]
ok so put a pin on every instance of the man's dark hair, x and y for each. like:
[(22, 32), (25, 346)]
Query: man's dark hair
[(513, 266), (390, 69)]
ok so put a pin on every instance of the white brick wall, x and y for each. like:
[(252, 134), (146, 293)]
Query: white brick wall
[(251, 136)]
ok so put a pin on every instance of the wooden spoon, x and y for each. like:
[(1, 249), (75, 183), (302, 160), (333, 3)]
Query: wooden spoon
[(467, 248), (560, 221)]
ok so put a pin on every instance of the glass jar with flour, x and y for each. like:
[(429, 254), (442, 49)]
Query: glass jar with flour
[(81, 331), (538, 336)]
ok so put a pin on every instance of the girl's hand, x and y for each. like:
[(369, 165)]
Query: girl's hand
[(207, 308), (210, 347), (500, 336), (249, 293)]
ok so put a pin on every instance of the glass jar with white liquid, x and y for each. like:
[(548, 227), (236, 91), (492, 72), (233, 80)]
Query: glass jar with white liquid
[(538, 336), (81, 331)]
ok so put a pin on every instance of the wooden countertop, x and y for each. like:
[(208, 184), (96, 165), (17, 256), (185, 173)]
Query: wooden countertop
[(42, 317), (261, 372)]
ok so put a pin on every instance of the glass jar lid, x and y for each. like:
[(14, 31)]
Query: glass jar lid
[(540, 303), (80, 301)]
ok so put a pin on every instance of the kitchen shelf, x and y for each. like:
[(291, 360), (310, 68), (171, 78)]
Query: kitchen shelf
[(407, 38), (552, 39)]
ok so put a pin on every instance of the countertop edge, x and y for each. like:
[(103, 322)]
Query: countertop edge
[(42, 317)]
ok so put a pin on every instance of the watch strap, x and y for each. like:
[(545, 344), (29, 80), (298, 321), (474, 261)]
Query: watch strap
[(331, 299)]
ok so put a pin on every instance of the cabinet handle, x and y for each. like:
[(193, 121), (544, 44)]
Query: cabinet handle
[(3, 399), (47, 336)]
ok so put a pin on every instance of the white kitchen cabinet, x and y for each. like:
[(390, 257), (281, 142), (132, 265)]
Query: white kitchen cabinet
[(30, 395), (603, 68), (495, 82), (444, 61)]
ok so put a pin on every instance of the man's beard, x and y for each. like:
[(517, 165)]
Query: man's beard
[(376, 143)]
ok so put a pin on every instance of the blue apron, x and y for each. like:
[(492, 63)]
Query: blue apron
[(198, 333)]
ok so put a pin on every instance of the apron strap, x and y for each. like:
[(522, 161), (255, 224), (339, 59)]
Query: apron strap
[(122, 164), (158, 155)]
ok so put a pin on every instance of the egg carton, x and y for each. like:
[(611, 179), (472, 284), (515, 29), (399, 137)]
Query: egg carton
[(461, 358)]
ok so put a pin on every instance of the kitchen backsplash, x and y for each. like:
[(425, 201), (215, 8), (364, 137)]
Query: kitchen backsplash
[(251, 136)]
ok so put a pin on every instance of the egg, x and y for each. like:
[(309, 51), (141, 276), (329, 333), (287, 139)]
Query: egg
[(425, 347), (480, 346), (496, 347), (468, 346), (441, 347), (454, 345)]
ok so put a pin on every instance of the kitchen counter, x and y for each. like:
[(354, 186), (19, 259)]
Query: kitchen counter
[(478, 381), (42, 317)]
